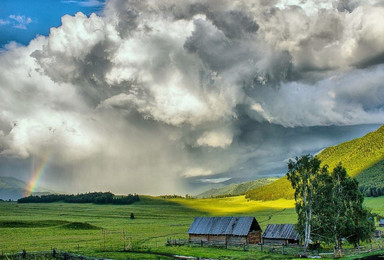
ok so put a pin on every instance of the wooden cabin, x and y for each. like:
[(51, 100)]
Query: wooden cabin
[(225, 230), (280, 234)]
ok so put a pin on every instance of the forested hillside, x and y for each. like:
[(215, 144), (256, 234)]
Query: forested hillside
[(236, 189), (273, 191), (358, 154), (362, 157), (371, 180)]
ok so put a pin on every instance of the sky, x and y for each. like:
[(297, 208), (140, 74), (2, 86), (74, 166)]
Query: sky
[(168, 96)]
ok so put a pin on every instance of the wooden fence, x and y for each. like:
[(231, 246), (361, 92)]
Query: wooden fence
[(292, 250), (52, 254)]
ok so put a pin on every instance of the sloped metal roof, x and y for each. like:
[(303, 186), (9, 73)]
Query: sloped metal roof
[(238, 226), (281, 231), (381, 222)]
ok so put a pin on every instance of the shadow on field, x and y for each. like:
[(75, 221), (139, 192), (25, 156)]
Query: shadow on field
[(47, 223), (31, 223), (80, 226)]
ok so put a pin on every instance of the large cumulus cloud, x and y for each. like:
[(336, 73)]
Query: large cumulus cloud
[(172, 90)]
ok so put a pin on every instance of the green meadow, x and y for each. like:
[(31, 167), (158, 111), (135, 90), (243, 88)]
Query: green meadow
[(79, 228)]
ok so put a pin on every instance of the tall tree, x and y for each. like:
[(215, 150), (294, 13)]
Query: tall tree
[(329, 206), (302, 173), (340, 212)]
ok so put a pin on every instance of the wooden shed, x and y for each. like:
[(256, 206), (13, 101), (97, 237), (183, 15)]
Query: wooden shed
[(225, 230), (281, 234)]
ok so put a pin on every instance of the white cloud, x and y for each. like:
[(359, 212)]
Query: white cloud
[(140, 91), (351, 98), (195, 172), (20, 21), (217, 180), (221, 139), (4, 22)]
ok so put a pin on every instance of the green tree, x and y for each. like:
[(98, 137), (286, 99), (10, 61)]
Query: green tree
[(339, 211), (302, 173), (329, 206)]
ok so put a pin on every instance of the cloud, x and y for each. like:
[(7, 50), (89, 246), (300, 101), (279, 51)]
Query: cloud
[(196, 172), (19, 21), (215, 139), (156, 93), (345, 99), (218, 180), (4, 22)]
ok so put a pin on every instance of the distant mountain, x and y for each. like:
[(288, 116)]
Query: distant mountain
[(362, 157), (11, 188), (236, 188), (14, 189)]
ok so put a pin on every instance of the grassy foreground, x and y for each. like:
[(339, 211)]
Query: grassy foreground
[(78, 228)]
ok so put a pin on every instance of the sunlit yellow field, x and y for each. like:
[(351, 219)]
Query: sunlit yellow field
[(234, 205)]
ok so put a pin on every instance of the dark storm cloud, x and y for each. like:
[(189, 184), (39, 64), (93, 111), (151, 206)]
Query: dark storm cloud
[(152, 94)]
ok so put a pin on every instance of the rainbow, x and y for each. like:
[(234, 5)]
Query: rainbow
[(36, 176)]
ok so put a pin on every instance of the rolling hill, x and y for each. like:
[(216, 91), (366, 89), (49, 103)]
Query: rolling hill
[(13, 189), (235, 189), (362, 157)]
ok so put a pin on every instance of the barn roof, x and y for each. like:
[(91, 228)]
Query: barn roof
[(238, 226), (281, 231)]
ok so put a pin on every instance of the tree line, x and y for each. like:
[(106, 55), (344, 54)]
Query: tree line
[(91, 197), (329, 205)]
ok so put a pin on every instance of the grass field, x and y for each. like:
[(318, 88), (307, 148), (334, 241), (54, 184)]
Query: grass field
[(78, 228)]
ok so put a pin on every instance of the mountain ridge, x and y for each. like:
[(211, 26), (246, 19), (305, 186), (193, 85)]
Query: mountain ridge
[(357, 155), (235, 189)]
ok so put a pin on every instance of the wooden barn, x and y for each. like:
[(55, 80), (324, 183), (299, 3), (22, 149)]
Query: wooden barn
[(225, 230), (282, 234)]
